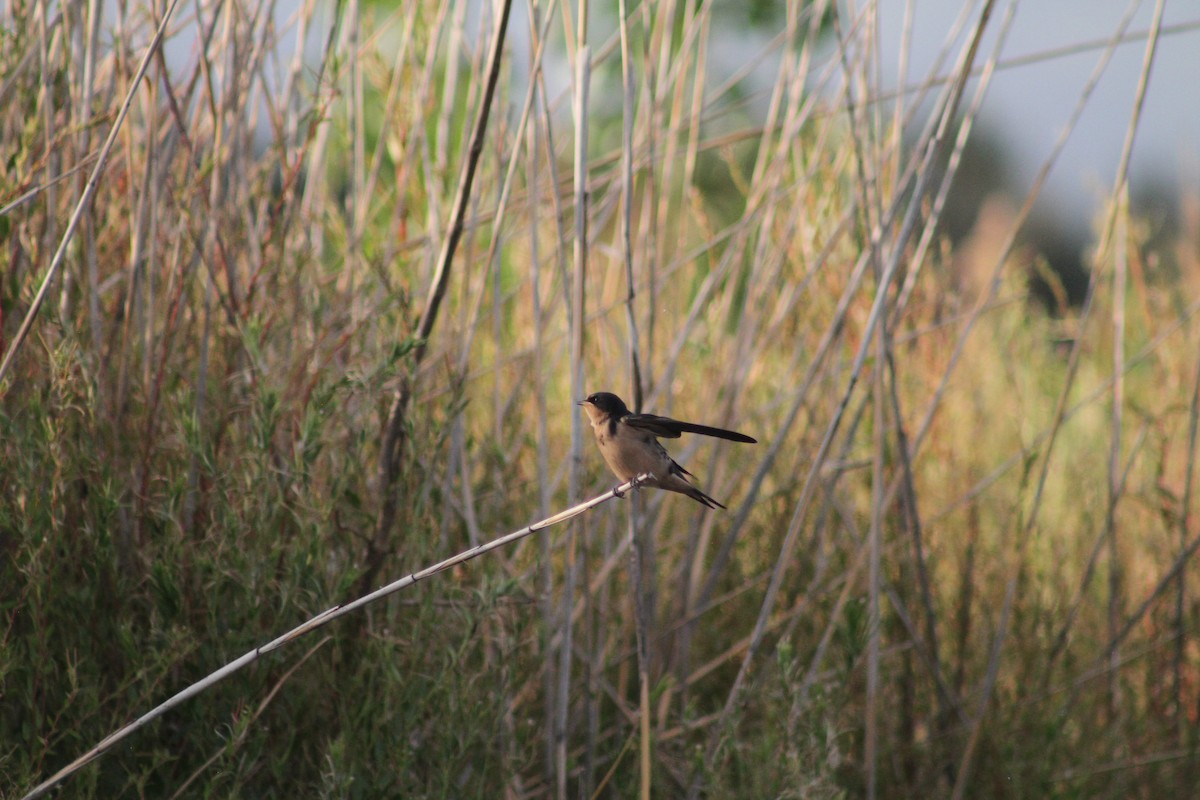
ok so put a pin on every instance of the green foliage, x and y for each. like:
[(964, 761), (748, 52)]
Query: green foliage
[(190, 449)]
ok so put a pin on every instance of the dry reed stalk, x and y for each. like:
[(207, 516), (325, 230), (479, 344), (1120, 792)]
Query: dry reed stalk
[(89, 190), (1026, 534), (392, 444), (581, 60), (1181, 593), (640, 578), (313, 624), (768, 323), (1117, 226)]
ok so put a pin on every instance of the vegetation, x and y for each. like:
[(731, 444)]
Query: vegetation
[(957, 564)]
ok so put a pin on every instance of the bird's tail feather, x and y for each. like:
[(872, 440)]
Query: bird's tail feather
[(678, 469), (677, 481), (701, 497)]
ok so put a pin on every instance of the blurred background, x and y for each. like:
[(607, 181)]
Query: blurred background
[(1050, 55), (322, 319)]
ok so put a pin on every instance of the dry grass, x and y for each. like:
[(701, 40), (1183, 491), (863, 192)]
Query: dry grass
[(957, 564)]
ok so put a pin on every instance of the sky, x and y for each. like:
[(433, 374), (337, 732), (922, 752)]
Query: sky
[(1028, 106)]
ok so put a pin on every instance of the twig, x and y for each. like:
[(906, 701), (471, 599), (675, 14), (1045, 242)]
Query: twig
[(316, 622)]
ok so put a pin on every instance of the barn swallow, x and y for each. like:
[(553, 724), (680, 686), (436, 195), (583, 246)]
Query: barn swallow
[(629, 444)]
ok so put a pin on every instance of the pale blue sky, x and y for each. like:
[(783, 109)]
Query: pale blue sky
[(1029, 105)]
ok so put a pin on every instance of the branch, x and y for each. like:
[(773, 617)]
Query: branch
[(319, 621)]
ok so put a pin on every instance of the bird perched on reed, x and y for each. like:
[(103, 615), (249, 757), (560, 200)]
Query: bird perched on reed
[(630, 446)]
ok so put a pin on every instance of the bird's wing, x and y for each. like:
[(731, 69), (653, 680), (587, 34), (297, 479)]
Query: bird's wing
[(667, 428)]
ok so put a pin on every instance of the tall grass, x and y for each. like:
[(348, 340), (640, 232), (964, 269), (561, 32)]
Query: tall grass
[(267, 379)]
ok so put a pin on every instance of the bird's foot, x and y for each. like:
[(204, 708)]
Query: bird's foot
[(635, 483)]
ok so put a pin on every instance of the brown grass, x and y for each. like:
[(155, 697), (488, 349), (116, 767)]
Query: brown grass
[(265, 380)]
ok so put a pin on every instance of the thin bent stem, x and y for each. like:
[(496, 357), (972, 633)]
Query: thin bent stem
[(315, 623)]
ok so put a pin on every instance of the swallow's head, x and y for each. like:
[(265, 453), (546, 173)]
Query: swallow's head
[(600, 405)]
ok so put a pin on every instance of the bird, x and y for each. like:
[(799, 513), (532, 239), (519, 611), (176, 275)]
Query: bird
[(630, 446)]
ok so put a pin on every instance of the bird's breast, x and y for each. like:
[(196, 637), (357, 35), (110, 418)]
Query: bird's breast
[(630, 453)]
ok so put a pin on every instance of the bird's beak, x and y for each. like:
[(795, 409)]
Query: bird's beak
[(582, 403)]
